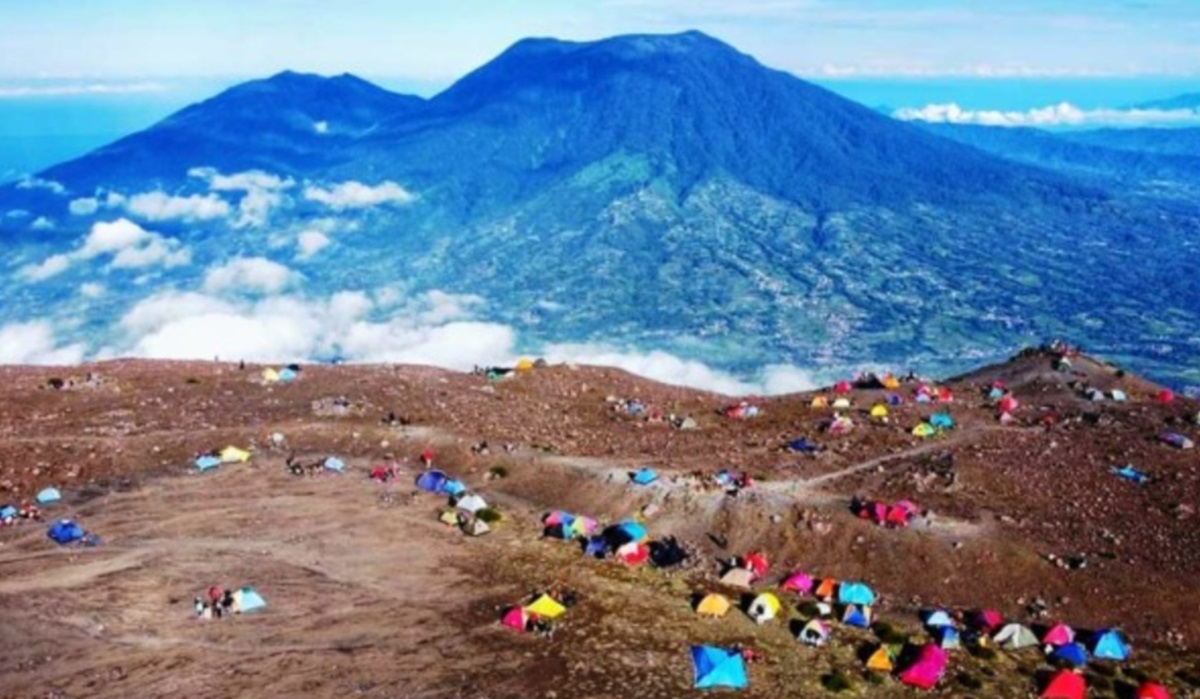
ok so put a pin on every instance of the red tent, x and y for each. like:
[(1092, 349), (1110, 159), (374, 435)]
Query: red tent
[(1065, 685), (897, 516), (987, 620), (1151, 690), (842, 387), (1165, 396), (756, 562), (945, 396), (633, 553), (927, 669), (1008, 404)]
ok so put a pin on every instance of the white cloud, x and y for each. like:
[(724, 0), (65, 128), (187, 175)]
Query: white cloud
[(321, 127), (262, 192), (1062, 114), (152, 314), (356, 195), (252, 274), (91, 290), (55, 264), (35, 343), (39, 183), (309, 243), (84, 206), (130, 245), (41, 223), (17, 91), (160, 206), (17, 213)]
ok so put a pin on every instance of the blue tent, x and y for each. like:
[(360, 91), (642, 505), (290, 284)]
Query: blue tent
[(8, 512), (432, 481), (855, 593), (938, 618), (894, 399), (723, 477), (803, 446), (596, 546), (856, 616), (646, 476), (335, 464), (1072, 654), (947, 637), (1110, 645), (453, 487), (287, 375), (633, 530), (718, 667), (996, 393), (1130, 473), (49, 496), (66, 532), (923, 398), (207, 461), (251, 600), (941, 421)]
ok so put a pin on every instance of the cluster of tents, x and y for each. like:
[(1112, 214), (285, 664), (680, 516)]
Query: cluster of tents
[(936, 424), (465, 507), (898, 514), (217, 457), (741, 411), (285, 374)]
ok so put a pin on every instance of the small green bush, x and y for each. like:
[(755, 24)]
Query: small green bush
[(498, 471), (489, 515), (969, 681), (987, 654), (837, 682), (889, 634)]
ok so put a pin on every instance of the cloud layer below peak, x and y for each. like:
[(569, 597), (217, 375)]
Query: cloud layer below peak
[(1063, 114)]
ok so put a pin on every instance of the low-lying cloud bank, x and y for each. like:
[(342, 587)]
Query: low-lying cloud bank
[(435, 328), (1063, 114)]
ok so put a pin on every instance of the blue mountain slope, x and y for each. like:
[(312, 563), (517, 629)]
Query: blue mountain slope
[(669, 192), (1181, 141)]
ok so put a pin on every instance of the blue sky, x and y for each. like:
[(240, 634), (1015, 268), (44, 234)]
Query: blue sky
[(77, 73)]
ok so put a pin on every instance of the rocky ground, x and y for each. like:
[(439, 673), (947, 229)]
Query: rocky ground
[(369, 595)]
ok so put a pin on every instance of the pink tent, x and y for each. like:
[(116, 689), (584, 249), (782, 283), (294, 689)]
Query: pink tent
[(927, 669), (515, 618), (798, 582), (1008, 404), (987, 620), (555, 517), (842, 387), (1059, 635), (1165, 396)]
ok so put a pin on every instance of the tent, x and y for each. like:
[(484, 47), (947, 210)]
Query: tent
[(855, 593), (270, 375), (545, 607), (718, 667), (251, 600), (476, 527), (335, 464), (1110, 645), (764, 608), (856, 616), (926, 669), (797, 582), (820, 402), (879, 411), (1071, 654), (756, 562), (842, 403), (645, 476), (596, 546), (8, 512), (1130, 473), (996, 393), (525, 364), (626, 531), (938, 618), (633, 553), (583, 526), (947, 638), (1008, 404), (826, 589), (842, 387), (471, 503), (432, 481), (881, 660), (894, 399), (1176, 440), (814, 633), (944, 395), (1165, 396), (65, 532), (1065, 684), (802, 446), (48, 496), (557, 517), (232, 454), (987, 620), (1151, 690), (1015, 637), (890, 382), (449, 518), (1059, 634), (288, 374), (924, 430), (941, 421), (1094, 394), (453, 487), (515, 618), (738, 577), (1119, 395), (713, 605), (206, 462)]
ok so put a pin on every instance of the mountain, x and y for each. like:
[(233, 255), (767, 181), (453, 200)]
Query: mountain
[(1189, 100), (289, 123), (657, 192), (1159, 141)]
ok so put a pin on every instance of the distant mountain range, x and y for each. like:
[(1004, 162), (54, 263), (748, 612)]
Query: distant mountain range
[(657, 192)]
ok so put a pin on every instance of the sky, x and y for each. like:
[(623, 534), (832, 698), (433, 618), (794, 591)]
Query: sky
[(76, 73)]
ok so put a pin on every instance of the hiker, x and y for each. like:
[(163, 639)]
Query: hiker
[(198, 605), (227, 601), (293, 466), (427, 458)]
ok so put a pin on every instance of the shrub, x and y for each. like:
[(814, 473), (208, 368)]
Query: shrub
[(837, 682), (498, 471), (970, 681), (983, 653), (889, 634), (489, 515)]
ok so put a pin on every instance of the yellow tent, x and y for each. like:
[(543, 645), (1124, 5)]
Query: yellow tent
[(765, 607), (820, 402), (546, 607), (881, 660), (924, 430), (841, 403), (231, 454), (714, 605), (448, 517), (524, 365), (880, 410), (891, 382), (270, 375)]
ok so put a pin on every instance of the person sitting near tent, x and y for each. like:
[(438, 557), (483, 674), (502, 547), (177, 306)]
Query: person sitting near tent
[(31, 512), (749, 655), (227, 602)]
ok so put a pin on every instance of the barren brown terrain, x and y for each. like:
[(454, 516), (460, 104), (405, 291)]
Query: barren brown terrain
[(369, 595)]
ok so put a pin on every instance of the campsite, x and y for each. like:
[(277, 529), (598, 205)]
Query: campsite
[(367, 593)]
